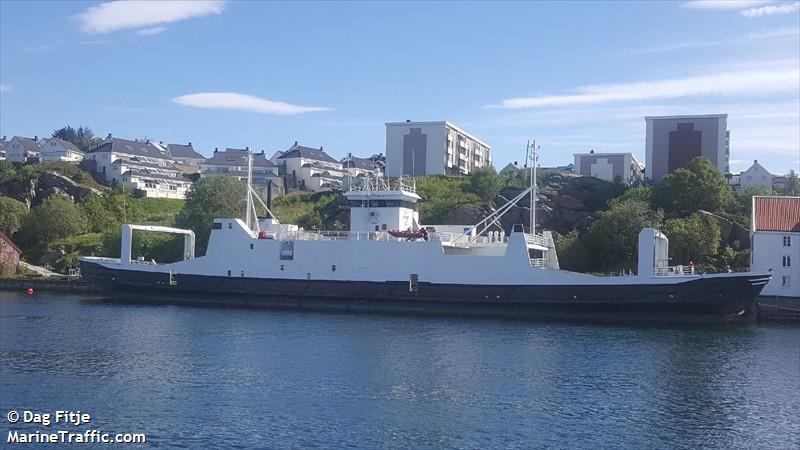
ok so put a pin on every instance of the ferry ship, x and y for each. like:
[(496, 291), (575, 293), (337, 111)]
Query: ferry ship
[(387, 263)]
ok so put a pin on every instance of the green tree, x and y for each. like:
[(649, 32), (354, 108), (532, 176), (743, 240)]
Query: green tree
[(695, 238), (12, 214), (613, 238), (485, 183), (210, 198), (57, 217), (792, 184), (83, 137), (573, 253), (642, 194), (440, 195), (109, 210), (700, 186)]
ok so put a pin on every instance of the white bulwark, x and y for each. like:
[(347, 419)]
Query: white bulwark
[(775, 244), (433, 148)]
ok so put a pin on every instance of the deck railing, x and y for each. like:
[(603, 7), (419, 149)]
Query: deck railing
[(535, 239), (463, 240), (538, 262), (674, 271)]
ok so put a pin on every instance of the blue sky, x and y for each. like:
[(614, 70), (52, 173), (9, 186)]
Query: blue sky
[(574, 76)]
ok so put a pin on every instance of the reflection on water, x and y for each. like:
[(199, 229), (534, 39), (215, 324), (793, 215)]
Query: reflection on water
[(194, 377)]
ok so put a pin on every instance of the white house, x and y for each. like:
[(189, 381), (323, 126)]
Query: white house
[(184, 154), (310, 169), (20, 148), (55, 149), (141, 164), (233, 162), (756, 176), (610, 166), (357, 170), (775, 243)]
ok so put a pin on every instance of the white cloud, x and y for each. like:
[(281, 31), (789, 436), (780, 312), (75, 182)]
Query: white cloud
[(770, 35), (767, 80), (152, 31), (94, 42), (5, 87), (723, 4), (769, 10), (38, 48), (120, 15), (243, 102)]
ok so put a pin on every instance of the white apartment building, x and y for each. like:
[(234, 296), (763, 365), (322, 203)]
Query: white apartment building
[(233, 162), (141, 164), (775, 243), (433, 148), (310, 169), (610, 166), (55, 149)]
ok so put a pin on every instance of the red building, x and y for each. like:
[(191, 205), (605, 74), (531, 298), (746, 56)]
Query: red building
[(9, 256)]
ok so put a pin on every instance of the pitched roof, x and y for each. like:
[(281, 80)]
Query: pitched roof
[(69, 145), (138, 148), (299, 151), (756, 167), (10, 242), (237, 157), (358, 163), (28, 144), (183, 151), (776, 214)]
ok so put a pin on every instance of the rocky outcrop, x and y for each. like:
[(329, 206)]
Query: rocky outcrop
[(52, 183), (565, 202), (731, 233)]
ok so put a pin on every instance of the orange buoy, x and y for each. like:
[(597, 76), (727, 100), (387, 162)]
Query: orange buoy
[(30, 291)]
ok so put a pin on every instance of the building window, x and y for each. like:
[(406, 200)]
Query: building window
[(787, 241), (787, 261), (785, 281)]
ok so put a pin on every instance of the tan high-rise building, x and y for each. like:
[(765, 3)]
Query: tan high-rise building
[(673, 141)]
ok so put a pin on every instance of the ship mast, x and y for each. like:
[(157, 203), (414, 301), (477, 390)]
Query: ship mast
[(249, 217), (534, 159)]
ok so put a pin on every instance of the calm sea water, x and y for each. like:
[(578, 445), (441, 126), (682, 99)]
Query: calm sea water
[(203, 377)]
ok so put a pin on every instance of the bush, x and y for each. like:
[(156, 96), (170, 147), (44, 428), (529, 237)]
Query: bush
[(12, 214), (56, 218), (699, 187), (614, 237)]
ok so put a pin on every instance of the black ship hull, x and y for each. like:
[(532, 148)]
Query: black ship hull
[(706, 299)]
